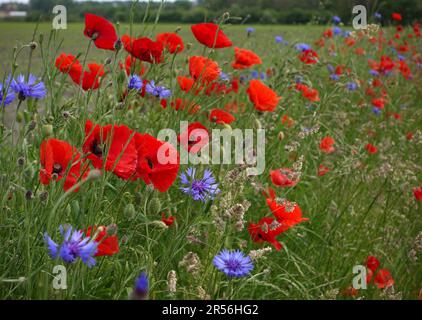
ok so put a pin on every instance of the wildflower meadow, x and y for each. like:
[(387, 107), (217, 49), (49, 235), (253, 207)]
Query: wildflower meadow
[(212, 160)]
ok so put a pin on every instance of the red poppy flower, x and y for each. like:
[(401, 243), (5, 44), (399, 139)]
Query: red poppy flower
[(383, 279), (158, 162), (285, 119), (185, 83), (168, 221), (210, 35), (147, 50), (182, 104), (323, 170), (378, 103), (60, 160), (88, 79), (101, 31), (371, 148), (283, 177), (417, 192), (288, 214), (107, 244), (396, 16), (263, 98), (171, 41), (372, 263), (66, 62), (133, 66), (308, 93), (194, 138), (266, 230), (203, 69), (326, 145), (114, 145), (220, 116), (308, 56), (245, 59)]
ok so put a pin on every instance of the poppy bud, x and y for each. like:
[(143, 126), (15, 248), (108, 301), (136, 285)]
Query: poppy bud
[(130, 211), (33, 45), (154, 206), (29, 195), (280, 135), (227, 126), (118, 45), (47, 130), (32, 125), (75, 207), (66, 114), (107, 61), (94, 175), (68, 210), (19, 116), (258, 124), (112, 229), (21, 161), (43, 196)]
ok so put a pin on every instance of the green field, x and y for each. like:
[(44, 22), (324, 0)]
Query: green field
[(364, 206)]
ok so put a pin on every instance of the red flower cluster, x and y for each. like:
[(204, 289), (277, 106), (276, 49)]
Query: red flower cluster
[(210, 35)]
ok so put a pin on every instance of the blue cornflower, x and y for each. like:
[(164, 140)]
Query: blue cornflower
[(376, 110), (140, 291), (352, 86), (337, 31), (135, 82), (28, 89), (334, 77), (346, 34), (330, 68), (200, 190), (401, 57), (224, 76), (378, 15), (233, 263), (74, 246), (158, 91), (9, 96), (374, 73), (250, 30), (302, 47), (254, 74), (336, 19), (278, 39)]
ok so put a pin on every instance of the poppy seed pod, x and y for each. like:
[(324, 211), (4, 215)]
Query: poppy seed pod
[(47, 130), (129, 210)]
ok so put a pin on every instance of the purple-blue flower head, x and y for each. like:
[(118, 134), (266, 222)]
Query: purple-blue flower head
[(74, 246), (158, 91), (378, 15), (302, 47), (199, 189), (337, 31), (278, 39), (250, 30), (135, 83), (233, 263), (140, 292), (376, 110), (334, 77), (28, 89), (336, 19), (351, 86), (9, 96)]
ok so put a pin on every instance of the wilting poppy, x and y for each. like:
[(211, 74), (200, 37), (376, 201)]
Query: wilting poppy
[(203, 69), (194, 138), (210, 35), (283, 177), (158, 162), (101, 31), (171, 41), (327, 144), (114, 145), (107, 244), (220, 116), (245, 59), (263, 98), (60, 160)]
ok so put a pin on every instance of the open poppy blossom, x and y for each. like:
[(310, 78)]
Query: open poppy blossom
[(327, 145), (383, 279), (171, 41), (111, 147), (185, 83), (168, 220), (372, 263), (157, 162), (417, 192), (108, 245), (263, 98), (220, 116), (266, 230), (283, 177), (371, 148), (203, 69), (59, 160), (308, 56), (67, 62), (87, 79), (147, 50), (245, 59), (323, 170), (194, 138), (101, 31), (396, 16), (210, 35)]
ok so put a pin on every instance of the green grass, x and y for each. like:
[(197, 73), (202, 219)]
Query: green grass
[(356, 210)]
